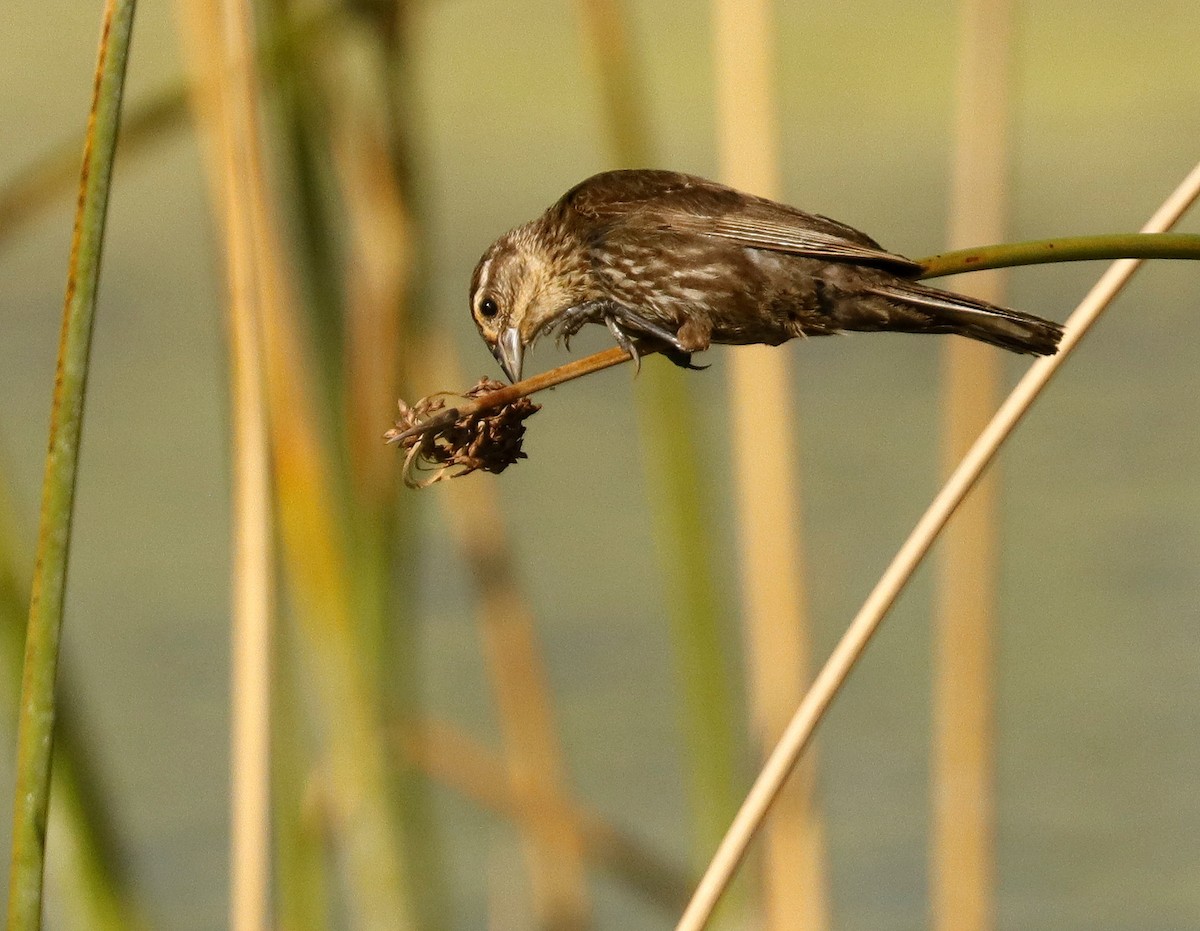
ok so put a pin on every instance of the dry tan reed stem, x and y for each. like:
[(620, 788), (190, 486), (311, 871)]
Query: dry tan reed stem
[(799, 731), (252, 551), (306, 521), (770, 553), (536, 771), (961, 863)]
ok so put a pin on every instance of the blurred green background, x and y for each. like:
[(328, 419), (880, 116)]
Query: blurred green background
[(1099, 675)]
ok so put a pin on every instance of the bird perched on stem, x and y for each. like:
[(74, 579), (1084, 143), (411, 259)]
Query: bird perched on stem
[(678, 262)]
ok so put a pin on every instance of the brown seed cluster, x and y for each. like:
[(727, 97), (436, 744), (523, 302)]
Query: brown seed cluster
[(489, 439)]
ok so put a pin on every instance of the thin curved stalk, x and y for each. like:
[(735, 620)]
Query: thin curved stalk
[(35, 730), (846, 654)]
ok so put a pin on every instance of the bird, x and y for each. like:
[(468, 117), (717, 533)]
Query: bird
[(676, 263)]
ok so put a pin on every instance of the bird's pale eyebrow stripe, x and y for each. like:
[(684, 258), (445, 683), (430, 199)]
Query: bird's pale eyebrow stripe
[(481, 288)]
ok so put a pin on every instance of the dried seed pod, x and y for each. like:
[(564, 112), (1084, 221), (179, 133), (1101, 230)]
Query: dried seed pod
[(489, 439)]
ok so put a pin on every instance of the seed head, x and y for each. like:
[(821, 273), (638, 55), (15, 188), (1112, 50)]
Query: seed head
[(489, 440)]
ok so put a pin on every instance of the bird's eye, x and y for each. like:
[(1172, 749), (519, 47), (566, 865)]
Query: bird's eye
[(488, 308)]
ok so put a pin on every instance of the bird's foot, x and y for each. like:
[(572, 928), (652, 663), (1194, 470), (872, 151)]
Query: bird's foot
[(629, 329), (574, 319), (633, 322), (624, 324)]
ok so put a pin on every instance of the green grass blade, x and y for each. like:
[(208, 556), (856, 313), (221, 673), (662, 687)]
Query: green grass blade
[(35, 735), (87, 870)]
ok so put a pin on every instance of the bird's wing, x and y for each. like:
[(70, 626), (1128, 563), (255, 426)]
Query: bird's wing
[(765, 225), (670, 201)]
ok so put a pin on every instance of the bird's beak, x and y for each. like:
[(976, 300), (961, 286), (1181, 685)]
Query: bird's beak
[(509, 353)]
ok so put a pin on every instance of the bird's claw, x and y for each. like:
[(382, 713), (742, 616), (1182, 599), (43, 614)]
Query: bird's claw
[(625, 341), (574, 319)]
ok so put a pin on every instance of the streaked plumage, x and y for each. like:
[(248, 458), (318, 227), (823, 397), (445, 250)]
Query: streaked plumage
[(682, 262)]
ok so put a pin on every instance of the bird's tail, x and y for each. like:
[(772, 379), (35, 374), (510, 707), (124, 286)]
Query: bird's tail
[(947, 312)]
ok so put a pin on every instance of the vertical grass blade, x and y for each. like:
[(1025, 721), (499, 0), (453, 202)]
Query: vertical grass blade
[(35, 733), (677, 482), (963, 834), (222, 95), (85, 871), (302, 893), (680, 486), (364, 823), (771, 558)]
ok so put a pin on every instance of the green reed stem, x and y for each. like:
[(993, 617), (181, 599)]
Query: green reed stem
[(677, 475), (1064, 249), (35, 730), (677, 485)]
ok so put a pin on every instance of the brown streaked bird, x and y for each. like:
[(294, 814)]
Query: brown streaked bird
[(679, 263)]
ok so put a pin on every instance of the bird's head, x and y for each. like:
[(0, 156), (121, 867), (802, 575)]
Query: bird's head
[(524, 281)]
